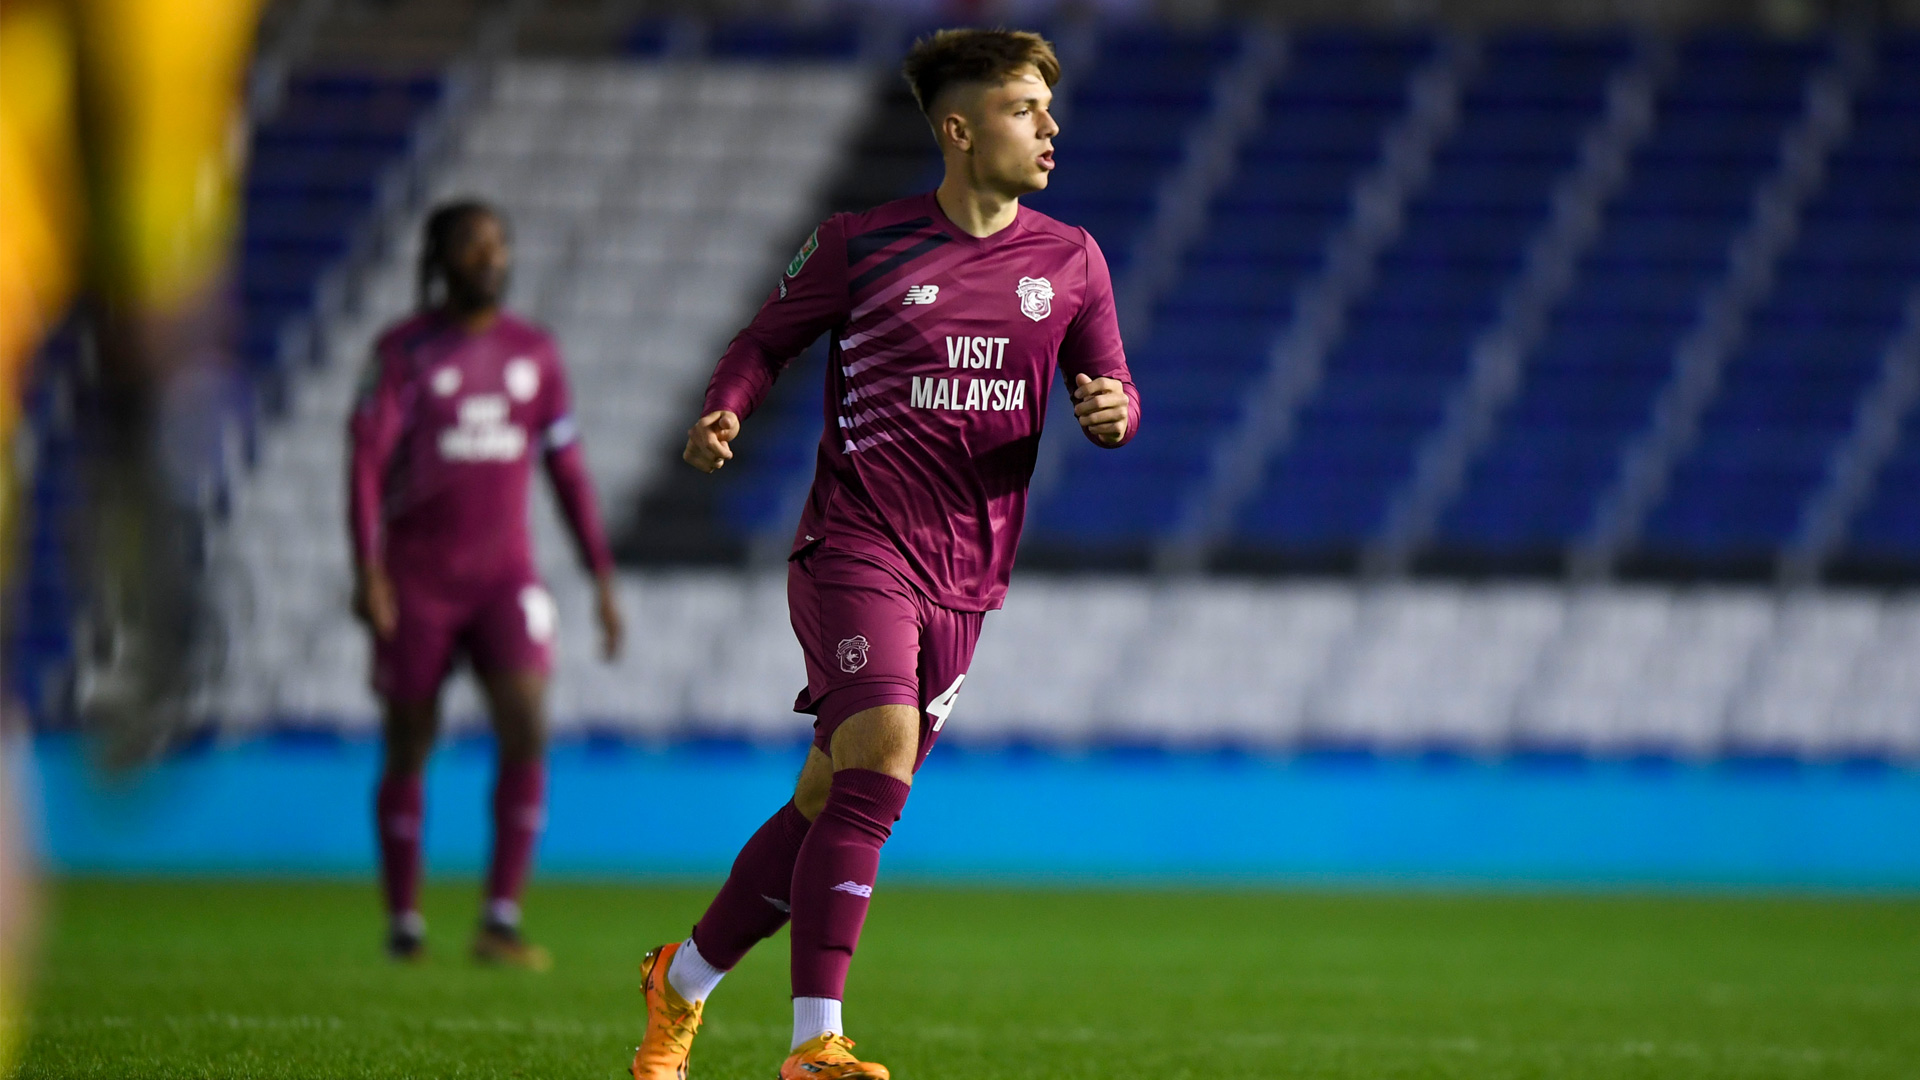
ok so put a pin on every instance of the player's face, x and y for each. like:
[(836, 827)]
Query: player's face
[(478, 263), (1013, 132)]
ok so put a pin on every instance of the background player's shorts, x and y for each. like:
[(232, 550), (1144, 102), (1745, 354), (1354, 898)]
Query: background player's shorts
[(508, 628), (871, 639)]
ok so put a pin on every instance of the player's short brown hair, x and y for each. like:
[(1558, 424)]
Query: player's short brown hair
[(947, 57)]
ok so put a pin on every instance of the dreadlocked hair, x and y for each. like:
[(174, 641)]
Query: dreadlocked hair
[(442, 229)]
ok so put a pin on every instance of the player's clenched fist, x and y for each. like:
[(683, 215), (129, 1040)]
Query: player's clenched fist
[(707, 441), (1101, 406)]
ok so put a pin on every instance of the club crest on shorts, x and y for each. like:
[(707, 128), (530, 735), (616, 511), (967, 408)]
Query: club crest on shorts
[(1036, 297), (852, 653)]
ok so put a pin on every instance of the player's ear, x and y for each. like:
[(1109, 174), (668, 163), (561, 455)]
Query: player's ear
[(956, 132)]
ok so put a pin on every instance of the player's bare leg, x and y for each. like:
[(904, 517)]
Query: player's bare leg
[(874, 754), (517, 704), (399, 810)]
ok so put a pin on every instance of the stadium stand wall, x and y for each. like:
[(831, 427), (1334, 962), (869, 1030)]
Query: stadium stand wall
[(1542, 311), (1513, 249)]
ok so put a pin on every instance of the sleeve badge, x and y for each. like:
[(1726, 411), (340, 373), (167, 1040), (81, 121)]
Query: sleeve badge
[(806, 252)]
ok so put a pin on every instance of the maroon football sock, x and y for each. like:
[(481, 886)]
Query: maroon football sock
[(397, 816), (519, 811), (833, 877), (754, 901)]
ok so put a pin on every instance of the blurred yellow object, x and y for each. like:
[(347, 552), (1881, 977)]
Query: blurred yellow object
[(40, 182), (121, 136)]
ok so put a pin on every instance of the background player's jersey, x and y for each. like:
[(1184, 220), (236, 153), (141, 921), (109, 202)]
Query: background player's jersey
[(443, 441), (944, 350)]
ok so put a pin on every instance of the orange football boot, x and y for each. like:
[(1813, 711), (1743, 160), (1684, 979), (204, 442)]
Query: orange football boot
[(671, 1021), (829, 1057)]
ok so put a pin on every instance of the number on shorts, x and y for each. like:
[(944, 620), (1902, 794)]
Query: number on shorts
[(939, 708)]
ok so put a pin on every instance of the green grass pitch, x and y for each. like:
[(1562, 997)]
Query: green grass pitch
[(268, 980)]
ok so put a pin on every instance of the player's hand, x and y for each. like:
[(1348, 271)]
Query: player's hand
[(374, 602), (613, 629), (1101, 406), (707, 441)]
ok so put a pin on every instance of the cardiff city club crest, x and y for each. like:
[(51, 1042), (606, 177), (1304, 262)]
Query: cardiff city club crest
[(852, 653), (1036, 297)]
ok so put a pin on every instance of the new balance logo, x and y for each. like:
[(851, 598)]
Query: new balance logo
[(781, 906), (921, 294), (854, 888)]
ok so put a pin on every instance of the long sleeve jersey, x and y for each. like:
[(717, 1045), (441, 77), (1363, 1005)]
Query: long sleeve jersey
[(944, 348), (444, 437)]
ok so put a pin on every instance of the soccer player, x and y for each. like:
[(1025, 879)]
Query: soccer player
[(950, 313), (457, 402)]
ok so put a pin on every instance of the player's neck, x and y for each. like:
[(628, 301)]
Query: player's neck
[(472, 320), (978, 211)]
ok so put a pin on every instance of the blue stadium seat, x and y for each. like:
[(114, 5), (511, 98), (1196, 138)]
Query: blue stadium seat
[(771, 41)]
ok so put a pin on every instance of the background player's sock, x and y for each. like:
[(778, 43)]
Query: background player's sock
[(814, 1017), (397, 812), (690, 975), (519, 810), (408, 925), (833, 877), (754, 901), (503, 913)]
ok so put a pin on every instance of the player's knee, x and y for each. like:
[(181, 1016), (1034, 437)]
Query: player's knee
[(883, 739), (522, 740), (517, 702), (816, 779), (410, 732)]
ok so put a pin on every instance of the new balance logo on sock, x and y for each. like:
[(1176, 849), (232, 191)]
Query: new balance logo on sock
[(778, 905), (854, 888)]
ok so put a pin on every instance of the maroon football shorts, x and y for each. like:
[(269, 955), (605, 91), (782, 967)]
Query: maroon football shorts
[(871, 639), (509, 627)]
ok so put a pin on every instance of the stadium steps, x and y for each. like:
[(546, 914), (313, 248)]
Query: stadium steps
[(1180, 204), (1590, 383), (1649, 462), (1499, 352), (1856, 463), (1293, 367)]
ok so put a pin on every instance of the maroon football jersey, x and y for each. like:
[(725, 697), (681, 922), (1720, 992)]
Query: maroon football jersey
[(444, 438), (943, 354), (944, 351)]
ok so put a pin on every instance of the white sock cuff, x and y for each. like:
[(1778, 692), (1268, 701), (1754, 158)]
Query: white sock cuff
[(504, 913), (408, 924), (690, 975), (814, 1017)]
